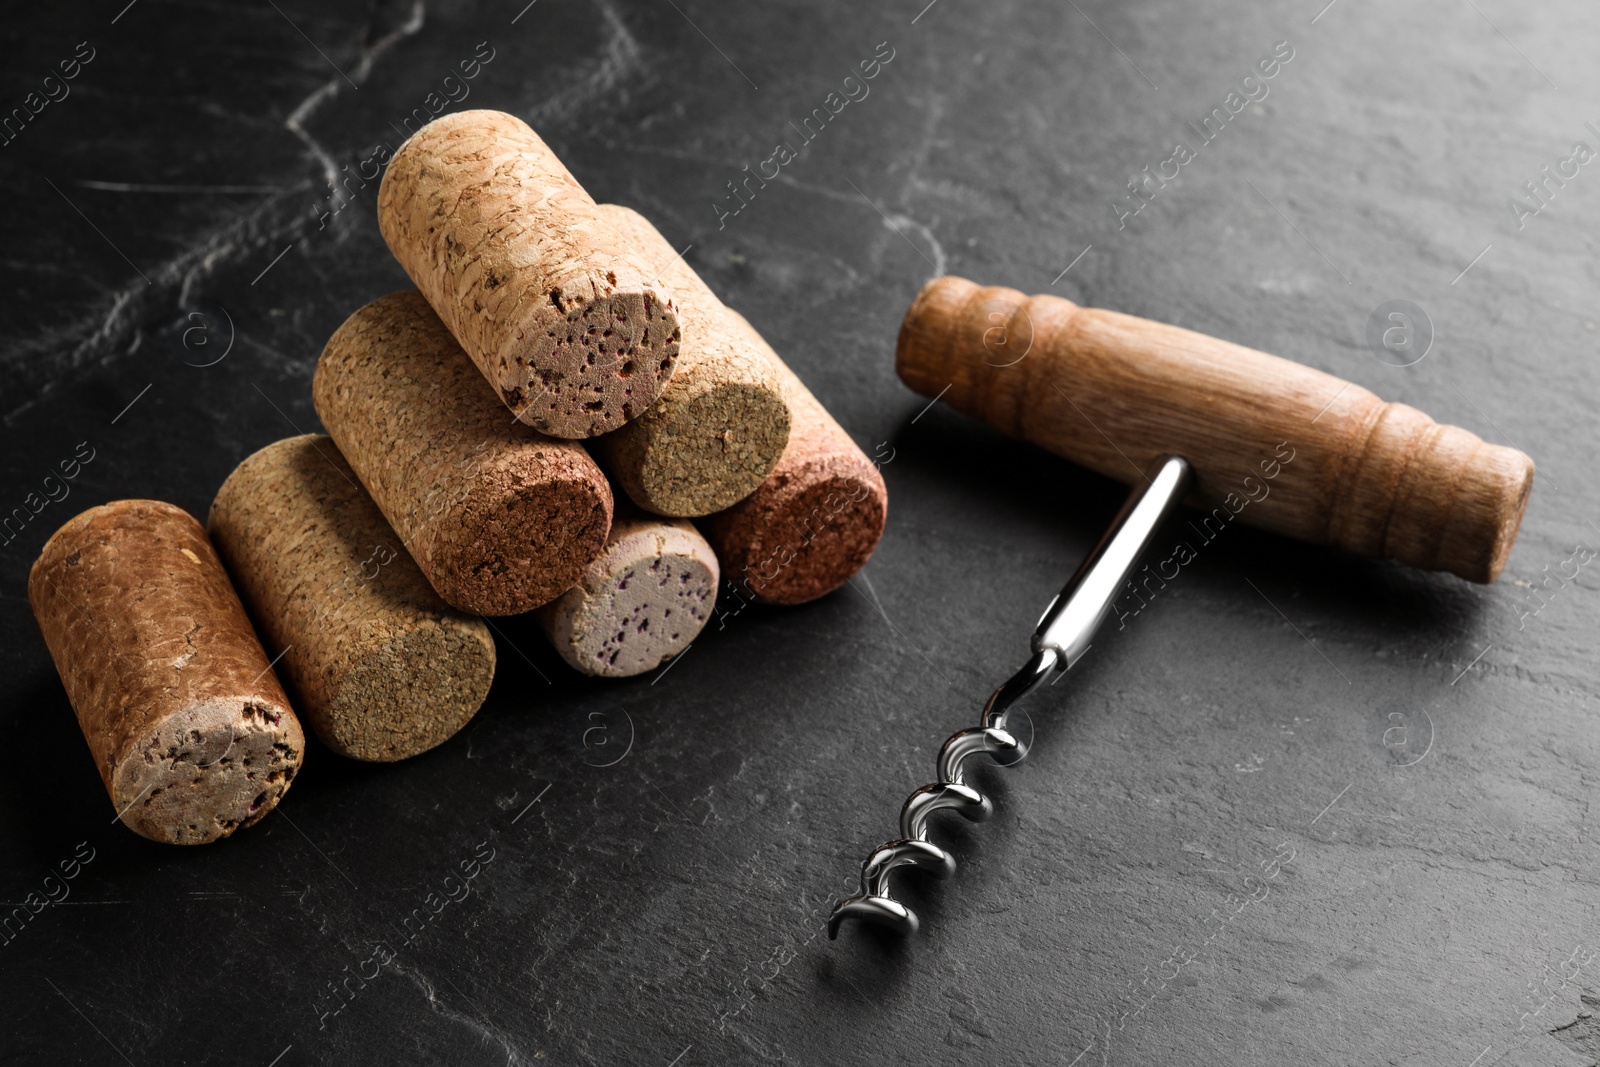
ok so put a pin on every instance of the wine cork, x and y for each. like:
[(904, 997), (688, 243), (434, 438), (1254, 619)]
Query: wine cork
[(816, 519), (642, 602), (1279, 445), (188, 726), (721, 424), (380, 667), (537, 286), (499, 518)]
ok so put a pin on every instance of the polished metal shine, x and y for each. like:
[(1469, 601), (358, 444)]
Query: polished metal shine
[(1060, 639)]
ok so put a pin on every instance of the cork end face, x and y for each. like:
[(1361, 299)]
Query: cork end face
[(208, 771), (645, 601), (584, 366), (521, 543), (814, 538), (410, 693), (712, 452)]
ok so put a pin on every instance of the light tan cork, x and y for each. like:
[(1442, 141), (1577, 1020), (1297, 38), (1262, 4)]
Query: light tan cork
[(380, 666), (642, 602), (563, 320), (815, 520), (721, 424), (499, 518), (189, 728)]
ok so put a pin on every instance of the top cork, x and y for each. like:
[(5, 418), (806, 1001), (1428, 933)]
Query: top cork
[(565, 321)]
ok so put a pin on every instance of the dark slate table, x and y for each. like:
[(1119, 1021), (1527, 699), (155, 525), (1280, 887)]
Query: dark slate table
[(1302, 808)]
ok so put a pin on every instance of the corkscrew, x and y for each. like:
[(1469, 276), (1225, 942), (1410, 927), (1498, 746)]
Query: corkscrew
[(1060, 639)]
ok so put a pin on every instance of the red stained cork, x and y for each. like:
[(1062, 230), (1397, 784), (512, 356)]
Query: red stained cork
[(815, 520), (188, 726), (380, 666), (565, 322), (500, 519)]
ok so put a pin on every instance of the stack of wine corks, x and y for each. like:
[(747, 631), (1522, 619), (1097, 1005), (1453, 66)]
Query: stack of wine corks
[(456, 481), (518, 262)]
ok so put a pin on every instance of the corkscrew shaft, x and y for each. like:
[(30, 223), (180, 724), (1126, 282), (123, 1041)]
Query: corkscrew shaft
[(1059, 640)]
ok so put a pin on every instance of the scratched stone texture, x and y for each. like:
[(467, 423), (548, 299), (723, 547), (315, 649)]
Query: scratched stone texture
[(1301, 808)]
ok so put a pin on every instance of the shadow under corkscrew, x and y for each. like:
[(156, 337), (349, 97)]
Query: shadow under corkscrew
[(1060, 639)]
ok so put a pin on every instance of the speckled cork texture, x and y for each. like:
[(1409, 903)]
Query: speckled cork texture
[(380, 667), (564, 321), (499, 518), (815, 520), (721, 424), (188, 726), (642, 602)]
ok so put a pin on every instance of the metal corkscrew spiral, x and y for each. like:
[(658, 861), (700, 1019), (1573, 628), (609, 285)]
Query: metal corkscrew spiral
[(1059, 640)]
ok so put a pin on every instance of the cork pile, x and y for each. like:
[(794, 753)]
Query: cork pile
[(530, 430)]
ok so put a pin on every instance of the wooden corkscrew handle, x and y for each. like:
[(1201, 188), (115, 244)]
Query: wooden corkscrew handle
[(1275, 444)]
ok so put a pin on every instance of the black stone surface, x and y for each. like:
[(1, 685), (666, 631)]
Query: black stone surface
[(1433, 896)]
